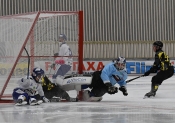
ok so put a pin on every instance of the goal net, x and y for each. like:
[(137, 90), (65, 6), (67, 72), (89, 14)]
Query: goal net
[(38, 33)]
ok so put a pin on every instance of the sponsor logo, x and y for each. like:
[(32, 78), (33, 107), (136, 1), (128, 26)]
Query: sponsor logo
[(76, 80), (137, 67)]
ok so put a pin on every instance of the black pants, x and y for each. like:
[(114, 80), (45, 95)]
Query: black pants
[(163, 75), (56, 91), (160, 77), (97, 85)]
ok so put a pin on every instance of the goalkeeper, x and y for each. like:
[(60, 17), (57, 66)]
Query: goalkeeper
[(104, 81), (63, 63), (54, 93)]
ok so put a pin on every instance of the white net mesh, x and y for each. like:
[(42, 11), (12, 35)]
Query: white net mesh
[(41, 45)]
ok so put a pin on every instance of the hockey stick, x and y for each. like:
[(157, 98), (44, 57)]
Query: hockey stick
[(28, 62), (134, 78)]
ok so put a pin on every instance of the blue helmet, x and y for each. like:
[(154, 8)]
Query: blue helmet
[(63, 36), (120, 63), (38, 72)]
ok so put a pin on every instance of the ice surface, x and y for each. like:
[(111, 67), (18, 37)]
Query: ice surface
[(112, 109)]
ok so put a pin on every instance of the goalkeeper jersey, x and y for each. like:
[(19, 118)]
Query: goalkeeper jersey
[(65, 51)]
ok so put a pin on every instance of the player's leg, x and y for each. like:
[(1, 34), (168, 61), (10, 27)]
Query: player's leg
[(59, 75), (158, 79), (94, 95), (20, 97), (57, 94), (33, 101), (98, 88)]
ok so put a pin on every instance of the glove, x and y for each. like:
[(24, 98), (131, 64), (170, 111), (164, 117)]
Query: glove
[(124, 90), (53, 65), (61, 61), (111, 89), (45, 99), (146, 73)]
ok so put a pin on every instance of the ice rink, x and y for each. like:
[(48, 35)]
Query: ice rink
[(112, 109)]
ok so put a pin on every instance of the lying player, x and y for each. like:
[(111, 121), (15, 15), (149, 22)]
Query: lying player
[(28, 87), (104, 81), (54, 92)]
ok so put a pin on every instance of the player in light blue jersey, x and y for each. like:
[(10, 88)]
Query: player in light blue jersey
[(63, 63), (104, 81)]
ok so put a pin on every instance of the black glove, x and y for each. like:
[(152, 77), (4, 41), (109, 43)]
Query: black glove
[(124, 90), (146, 73), (111, 89)]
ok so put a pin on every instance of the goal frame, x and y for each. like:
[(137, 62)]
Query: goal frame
[(5, 98)]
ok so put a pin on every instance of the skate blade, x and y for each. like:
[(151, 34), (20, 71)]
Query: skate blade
[(36, 103), (95, 99), (39, 102), (73, 99), (146, 97), (20, 104), (58, 99)]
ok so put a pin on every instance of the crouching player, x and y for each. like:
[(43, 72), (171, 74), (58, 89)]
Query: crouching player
[(54, 92), (28, 87), (104, 81)]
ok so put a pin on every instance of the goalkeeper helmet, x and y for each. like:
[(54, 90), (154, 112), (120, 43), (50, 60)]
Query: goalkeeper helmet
[(37, 74), (62, 37), (120, 63), (158, 44)]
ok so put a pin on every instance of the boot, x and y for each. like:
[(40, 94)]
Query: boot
[(21, 101), (152, 93)]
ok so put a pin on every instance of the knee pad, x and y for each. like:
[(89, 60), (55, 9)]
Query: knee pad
[(59, 80)]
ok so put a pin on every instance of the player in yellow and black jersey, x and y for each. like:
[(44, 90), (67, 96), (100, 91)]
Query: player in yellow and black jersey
[(161, 66), (54, 92)]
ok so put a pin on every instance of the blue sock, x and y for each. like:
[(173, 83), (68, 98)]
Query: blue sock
[(84, 86), (91, 94)]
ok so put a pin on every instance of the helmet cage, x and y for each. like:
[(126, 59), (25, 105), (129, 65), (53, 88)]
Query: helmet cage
[(62, 37), (38, 73), (120, 63)]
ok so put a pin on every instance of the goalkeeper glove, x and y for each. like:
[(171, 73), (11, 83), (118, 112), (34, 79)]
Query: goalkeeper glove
[(124, 90), (53, 65), (111, 89)]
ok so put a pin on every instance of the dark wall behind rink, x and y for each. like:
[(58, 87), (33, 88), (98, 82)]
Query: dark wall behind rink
[(110, 20)]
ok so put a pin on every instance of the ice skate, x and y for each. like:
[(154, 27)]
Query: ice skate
[(55, 99), (73, 99), (88, 98), (20, 102), (149, 95), (33, 102), (95, 99)]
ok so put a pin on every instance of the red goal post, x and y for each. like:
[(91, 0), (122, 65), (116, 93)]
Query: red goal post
[(37, 32)]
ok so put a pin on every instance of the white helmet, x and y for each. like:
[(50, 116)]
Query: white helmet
[(120, 63)]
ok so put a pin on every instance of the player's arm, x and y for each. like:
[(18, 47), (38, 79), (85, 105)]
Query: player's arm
[(106, 72), (41, 93), (122, 81), (154, 68), (24, 82)]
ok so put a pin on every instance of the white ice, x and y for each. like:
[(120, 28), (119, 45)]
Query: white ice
[(112, 109)]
